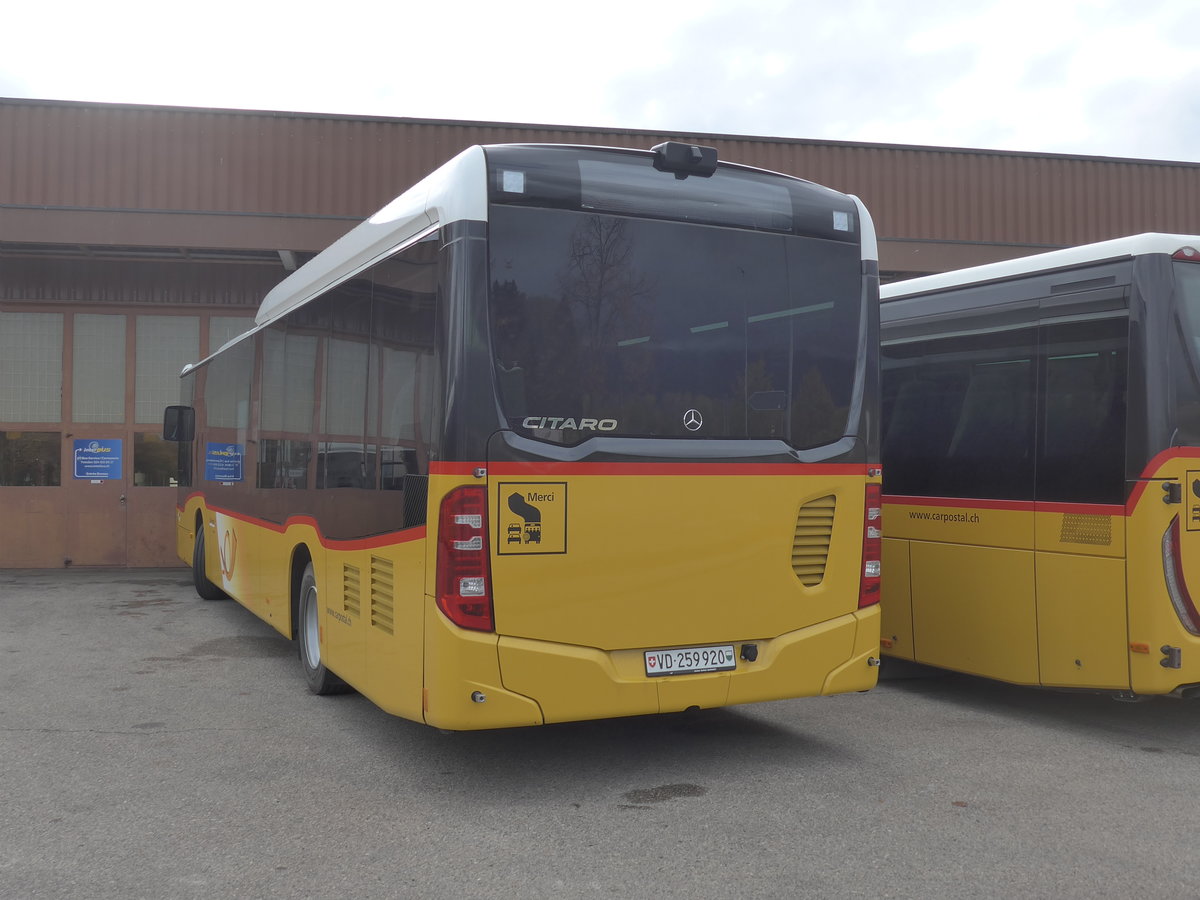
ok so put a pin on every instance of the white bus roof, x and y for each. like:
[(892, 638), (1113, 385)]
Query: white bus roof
[(454, 192), (1119, 248)]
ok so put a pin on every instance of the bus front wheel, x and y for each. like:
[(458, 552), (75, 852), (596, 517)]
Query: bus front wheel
[(205, 588), (320, 680)]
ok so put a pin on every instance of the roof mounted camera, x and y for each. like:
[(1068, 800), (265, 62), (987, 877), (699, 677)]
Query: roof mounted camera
[(685, 159)]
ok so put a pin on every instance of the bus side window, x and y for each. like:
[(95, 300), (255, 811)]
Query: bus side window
[(961, 424), (994, 432), (919, 427), (1082, 453)]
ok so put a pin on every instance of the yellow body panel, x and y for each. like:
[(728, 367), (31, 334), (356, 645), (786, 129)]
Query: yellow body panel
[(242, 558), (1082, 635), (185, 533), (1153, 622), (573, 683), (1081, 533), (625, 564), (1082, 603), (896, 634), (372, 627), (460, 663), (673, 560), (973, 610), (948, 522)]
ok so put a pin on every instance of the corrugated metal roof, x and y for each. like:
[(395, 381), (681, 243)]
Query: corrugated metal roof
[(81, 156), (160, 277)]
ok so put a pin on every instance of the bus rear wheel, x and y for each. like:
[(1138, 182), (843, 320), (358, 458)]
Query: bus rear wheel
[(318, 677), (205, 588)]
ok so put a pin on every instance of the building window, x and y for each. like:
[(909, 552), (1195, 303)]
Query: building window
[(98, 378), (165, 344), (31, 364), (30, 458)]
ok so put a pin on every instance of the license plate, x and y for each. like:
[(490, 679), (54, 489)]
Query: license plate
[(690, 660)]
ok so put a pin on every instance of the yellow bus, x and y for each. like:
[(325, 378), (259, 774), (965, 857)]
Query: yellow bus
[(1041, 454), (561, 433)]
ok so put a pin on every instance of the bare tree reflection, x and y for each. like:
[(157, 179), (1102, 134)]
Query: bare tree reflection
[(606, 296)]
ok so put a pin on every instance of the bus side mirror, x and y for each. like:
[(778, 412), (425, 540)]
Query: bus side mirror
[(179, 424)]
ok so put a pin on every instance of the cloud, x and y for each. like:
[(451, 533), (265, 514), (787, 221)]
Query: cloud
[(789, 73), (1094, 77), (13, 86)]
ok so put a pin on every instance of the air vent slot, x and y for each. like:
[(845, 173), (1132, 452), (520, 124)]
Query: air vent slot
[(1085, 529), (810, 546), (351, 591), (383, 594)]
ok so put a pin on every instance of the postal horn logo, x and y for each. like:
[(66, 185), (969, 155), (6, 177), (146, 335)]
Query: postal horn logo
[(228, 553)]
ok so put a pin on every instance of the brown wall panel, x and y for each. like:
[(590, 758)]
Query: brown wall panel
[(144, 282), (77, 156)]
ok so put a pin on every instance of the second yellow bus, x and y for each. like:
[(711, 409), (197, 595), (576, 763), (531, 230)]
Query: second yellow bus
[(1042, 468)]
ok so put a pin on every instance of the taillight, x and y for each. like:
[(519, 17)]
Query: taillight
[(464, 591), (868, 593), (1177, 588), (1187, 254)]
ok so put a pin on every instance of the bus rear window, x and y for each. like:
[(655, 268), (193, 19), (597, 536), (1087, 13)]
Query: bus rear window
[(607, 325), (725, 200), (628, 184)]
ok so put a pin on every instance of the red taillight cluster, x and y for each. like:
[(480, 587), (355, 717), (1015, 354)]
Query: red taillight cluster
[(464, 583), (1177, 589), (1186, 254), (868, 593)]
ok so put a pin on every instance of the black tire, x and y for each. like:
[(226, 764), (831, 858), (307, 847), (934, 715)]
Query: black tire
[(205, 588), (320, 680)]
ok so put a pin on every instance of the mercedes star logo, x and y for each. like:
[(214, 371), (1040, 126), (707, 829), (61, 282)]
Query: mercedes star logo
[(692, 420)]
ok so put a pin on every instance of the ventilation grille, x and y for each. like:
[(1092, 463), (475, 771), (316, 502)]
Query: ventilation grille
[(383, 593), (810, 547), (1079, 529), (351, 591)]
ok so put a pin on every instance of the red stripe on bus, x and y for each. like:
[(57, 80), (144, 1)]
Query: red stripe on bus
[(509, 469), (374, 542), (1086, 509), (1156, 464), (1017, 505)]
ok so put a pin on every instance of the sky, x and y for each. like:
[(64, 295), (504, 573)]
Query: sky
[(1116, 78)]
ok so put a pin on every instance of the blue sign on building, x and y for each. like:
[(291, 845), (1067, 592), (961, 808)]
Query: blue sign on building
[(98, 460), (223, 462)]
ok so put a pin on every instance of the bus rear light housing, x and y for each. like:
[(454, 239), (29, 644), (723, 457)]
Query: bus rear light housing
[(463, 568), (1181, 597), (872, 567), (1186, 254)]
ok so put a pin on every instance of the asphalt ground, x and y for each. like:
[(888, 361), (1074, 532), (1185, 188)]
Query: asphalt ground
[(154, 745)]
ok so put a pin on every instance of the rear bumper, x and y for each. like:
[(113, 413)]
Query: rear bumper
[(567, 683)]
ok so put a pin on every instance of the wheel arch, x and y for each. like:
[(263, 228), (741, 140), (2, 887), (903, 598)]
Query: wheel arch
[(301, 557)]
